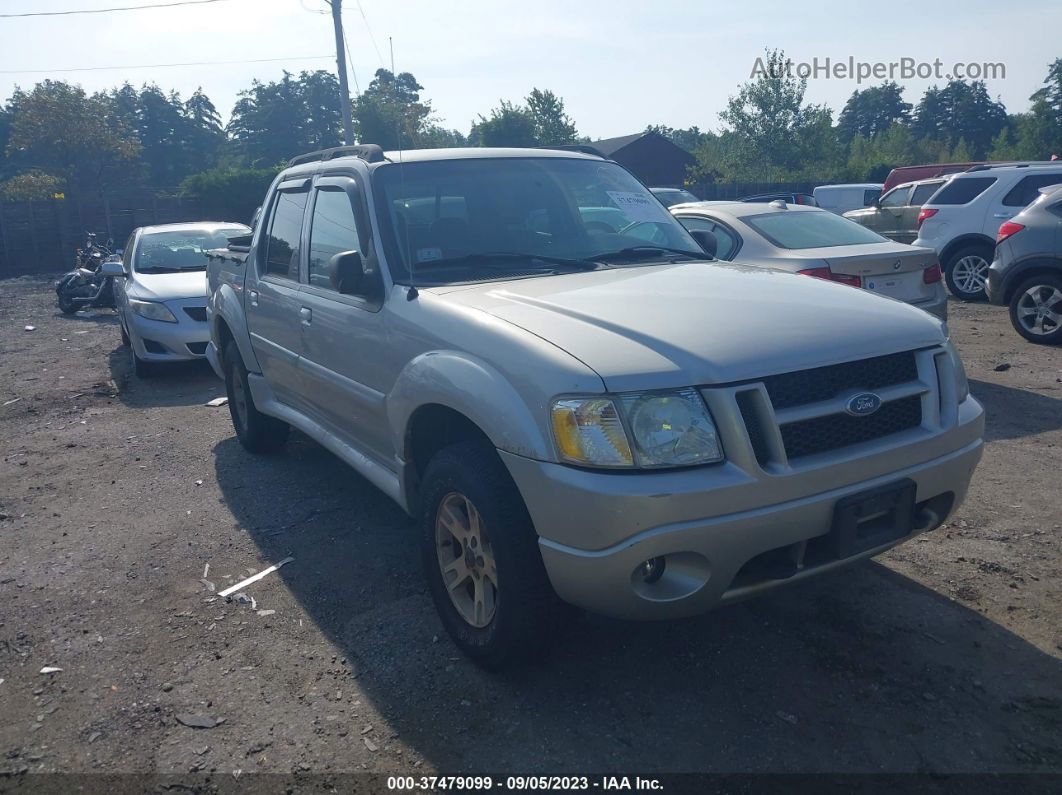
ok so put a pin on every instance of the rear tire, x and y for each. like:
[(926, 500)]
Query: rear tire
[(495, 598), (966, 272), (67, 305), (1036, 294), (257, 432)]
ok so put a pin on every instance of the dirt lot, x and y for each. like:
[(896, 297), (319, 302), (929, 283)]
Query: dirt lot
[(116, 494)]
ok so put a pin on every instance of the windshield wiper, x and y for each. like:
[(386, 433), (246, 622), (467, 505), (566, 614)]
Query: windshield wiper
[(482, 259), (642, 252)]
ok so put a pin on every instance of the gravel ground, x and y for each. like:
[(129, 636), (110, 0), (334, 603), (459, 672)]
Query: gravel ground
[(124, 504)]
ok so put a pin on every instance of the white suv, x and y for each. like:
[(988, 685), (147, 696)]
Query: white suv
[(960, 220)]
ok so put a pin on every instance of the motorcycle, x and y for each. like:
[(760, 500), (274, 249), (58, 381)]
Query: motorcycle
[(85, 286)]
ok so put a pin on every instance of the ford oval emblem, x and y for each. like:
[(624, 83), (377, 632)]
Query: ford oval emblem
[(863, 404)]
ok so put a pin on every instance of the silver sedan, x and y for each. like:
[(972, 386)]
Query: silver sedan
[(160, 291), (814, 242)]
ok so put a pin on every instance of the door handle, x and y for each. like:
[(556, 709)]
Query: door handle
[(253, 297), (305, 315), (1002, 215)]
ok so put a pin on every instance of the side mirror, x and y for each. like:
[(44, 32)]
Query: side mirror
[(113, 268), (706, 240), (346, 272)]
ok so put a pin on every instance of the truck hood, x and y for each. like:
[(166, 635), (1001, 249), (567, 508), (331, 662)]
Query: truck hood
[(169, 286), (698, 323)]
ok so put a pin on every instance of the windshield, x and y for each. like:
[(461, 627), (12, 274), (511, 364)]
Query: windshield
[(181, 249), (795, 230), (468, 219)]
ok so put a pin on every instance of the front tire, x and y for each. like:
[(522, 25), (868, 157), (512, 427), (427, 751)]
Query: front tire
[(257, 432), (966, 273), (1036, 309), (142, 368), (482, 561)]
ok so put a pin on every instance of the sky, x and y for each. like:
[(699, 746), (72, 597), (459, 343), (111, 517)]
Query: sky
[(618, 65)]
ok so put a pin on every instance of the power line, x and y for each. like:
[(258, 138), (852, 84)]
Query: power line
[(108, 10), (162, 65), (372, 38)]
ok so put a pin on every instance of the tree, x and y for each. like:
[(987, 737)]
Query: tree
[(389, 112), (689, 139), (960, 110), (204, 134), (58, 128), (553, 126), (30, 186), (773, 130), (508, 125), (230, 194), (275, 121), (872, 111)]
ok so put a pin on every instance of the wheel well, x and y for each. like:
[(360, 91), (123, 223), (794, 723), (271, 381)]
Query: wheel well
[(433, 427), (224, 334), (1025, 274), (960, 242)]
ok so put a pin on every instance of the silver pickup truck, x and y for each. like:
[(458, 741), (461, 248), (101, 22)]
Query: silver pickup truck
[(528, 353)]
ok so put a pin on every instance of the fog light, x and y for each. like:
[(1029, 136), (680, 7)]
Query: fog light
[(652, 570)]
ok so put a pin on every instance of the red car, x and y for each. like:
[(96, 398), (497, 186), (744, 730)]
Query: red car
[(903, 174)]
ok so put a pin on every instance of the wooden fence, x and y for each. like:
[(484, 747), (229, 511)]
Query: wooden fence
[(41, 236)]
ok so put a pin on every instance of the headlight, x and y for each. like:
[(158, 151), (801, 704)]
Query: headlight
[(152, 310), (669, 429), (962, 384)]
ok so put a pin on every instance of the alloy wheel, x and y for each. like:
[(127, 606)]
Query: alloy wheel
[(970, 274), (1039, 309), (466, 560)]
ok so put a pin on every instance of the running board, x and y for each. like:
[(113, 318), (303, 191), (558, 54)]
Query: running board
[(381, 477)]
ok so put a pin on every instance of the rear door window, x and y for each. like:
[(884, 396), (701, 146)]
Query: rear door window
[(963, 191), (285, 230), (1028, 189)]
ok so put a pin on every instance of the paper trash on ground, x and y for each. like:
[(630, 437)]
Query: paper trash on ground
[(254, 578)]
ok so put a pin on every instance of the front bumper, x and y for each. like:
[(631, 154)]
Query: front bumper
[(159, 341), (710, 523)]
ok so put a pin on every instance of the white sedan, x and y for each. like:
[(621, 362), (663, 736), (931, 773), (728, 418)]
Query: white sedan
[(815, 242), (160, 291)]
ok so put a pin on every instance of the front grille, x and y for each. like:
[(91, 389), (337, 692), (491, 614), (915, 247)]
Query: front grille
[(747, 404), (197, 313), (823, 383), (821, 434)]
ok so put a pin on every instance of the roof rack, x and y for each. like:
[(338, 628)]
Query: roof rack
[(586, 149), (1016, 164), (370, 153)]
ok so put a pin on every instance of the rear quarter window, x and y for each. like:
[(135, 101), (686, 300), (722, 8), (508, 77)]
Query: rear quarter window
[(962, 191), (1028, 189)]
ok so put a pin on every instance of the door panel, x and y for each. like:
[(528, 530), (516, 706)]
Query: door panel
[(345, 364), (272, 304), (891, 211)]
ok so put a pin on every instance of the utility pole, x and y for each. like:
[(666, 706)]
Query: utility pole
[(341, 65)]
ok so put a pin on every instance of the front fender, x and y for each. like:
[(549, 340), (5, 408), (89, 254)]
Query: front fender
[(226, 305), (472, 387)]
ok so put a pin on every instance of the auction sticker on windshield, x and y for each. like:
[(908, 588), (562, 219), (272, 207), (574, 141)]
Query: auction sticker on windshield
[(637, 206)]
